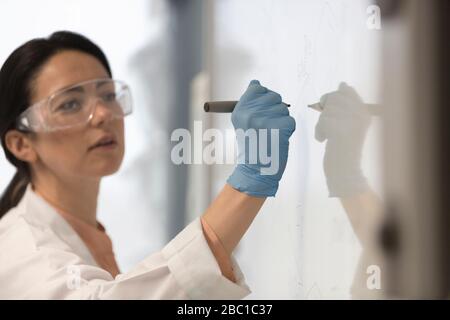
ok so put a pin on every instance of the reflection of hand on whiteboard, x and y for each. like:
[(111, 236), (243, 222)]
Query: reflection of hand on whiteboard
[(343, 123)]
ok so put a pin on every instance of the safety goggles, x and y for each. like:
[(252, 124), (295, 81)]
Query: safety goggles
[(75, 105)]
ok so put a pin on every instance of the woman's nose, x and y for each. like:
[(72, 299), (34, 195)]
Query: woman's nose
[(101, 112)]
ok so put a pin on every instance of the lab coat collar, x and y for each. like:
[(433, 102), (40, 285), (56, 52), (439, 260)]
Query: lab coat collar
[(38, 212)]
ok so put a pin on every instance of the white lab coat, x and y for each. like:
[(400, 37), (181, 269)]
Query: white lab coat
[(42, 257)]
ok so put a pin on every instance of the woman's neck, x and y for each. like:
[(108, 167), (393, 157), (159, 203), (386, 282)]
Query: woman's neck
[(77, 197)]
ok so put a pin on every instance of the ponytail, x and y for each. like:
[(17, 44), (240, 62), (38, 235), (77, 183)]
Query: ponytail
[(14, 191)]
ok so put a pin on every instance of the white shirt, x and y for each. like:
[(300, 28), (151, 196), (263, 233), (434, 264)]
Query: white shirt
[(42, 257)]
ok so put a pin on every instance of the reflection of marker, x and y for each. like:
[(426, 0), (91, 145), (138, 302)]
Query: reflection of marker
[(374, 109), (223, 106), (316, 106)]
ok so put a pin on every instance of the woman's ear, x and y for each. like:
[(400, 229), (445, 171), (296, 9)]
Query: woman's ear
[(20, 145)]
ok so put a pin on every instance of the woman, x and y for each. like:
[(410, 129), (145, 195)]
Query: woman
[(61, 126)]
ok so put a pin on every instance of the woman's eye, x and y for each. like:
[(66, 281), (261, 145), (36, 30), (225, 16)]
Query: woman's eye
[(108, 97), (71, 105)]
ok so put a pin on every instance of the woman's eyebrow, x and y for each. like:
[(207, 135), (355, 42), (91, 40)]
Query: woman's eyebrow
[(81, 88), (74, 89), (99, 84)]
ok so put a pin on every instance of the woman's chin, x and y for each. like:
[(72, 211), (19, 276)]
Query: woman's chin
[(109, 172), (107, 168)]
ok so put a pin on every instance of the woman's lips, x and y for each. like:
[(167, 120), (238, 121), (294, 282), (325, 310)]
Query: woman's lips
[(105, 146), (106, 141)]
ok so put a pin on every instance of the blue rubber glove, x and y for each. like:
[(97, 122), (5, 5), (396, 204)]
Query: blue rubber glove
[(260, 110)]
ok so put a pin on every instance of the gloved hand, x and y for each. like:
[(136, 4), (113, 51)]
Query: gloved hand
[(259, 109), (343, 123)]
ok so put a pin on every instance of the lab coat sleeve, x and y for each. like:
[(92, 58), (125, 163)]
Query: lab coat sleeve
[(196, 270), (184, 269)]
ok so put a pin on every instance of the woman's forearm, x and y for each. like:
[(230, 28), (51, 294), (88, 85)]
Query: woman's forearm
[(230, 215), (364, 211)]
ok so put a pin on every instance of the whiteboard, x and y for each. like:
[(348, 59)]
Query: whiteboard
[(301, 244)]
